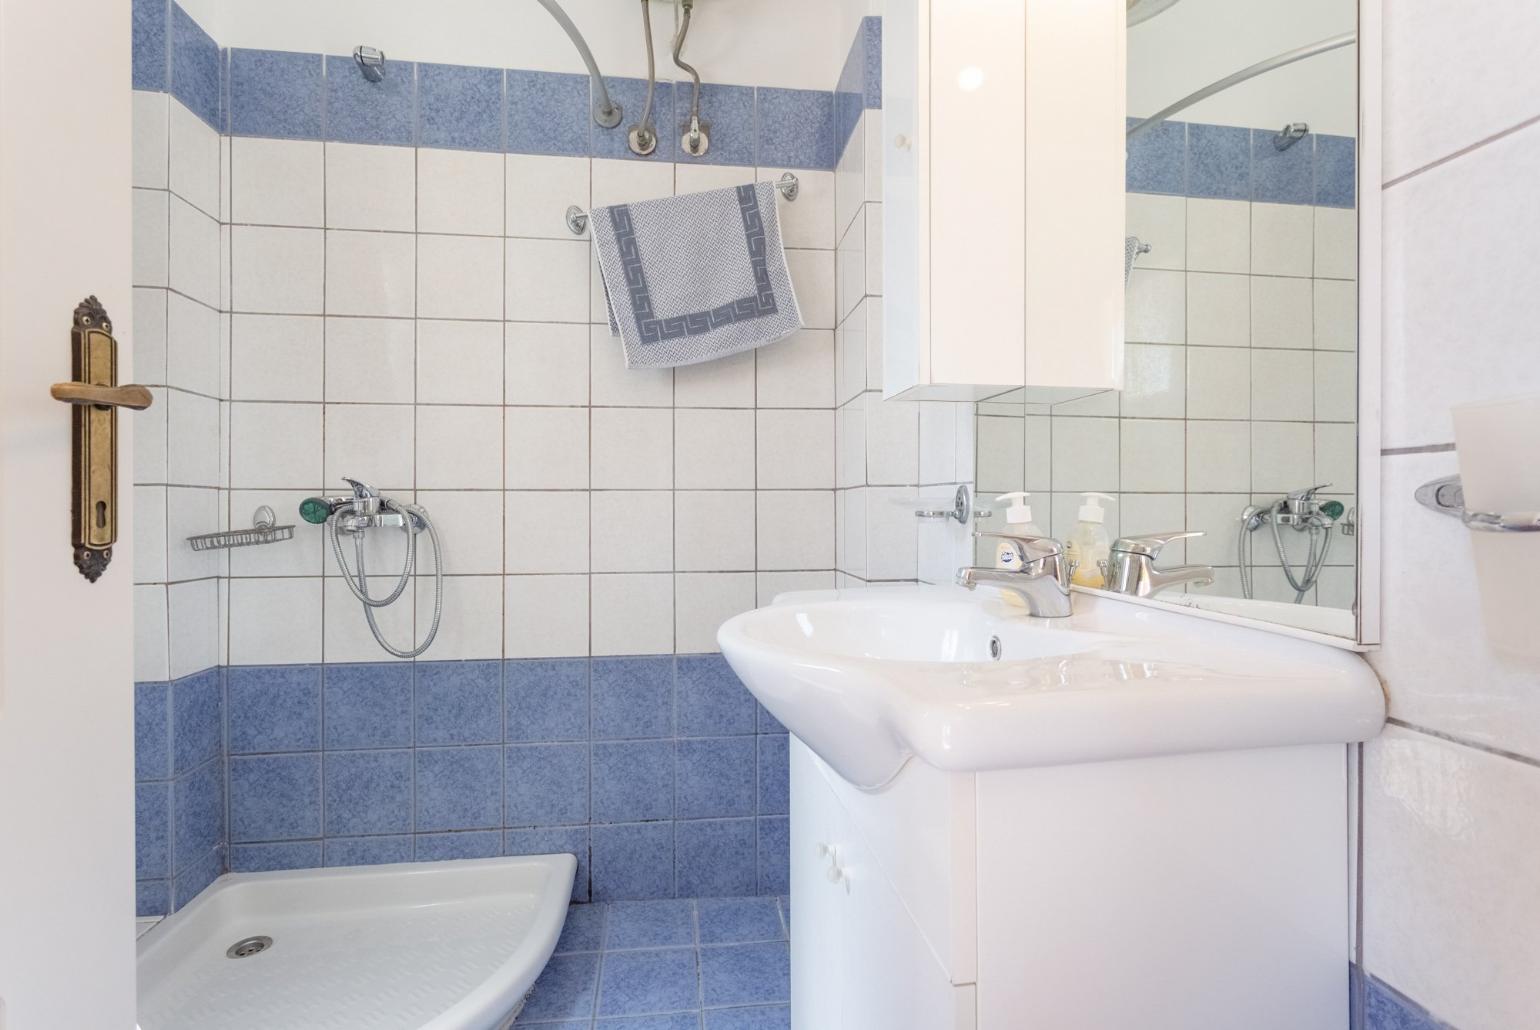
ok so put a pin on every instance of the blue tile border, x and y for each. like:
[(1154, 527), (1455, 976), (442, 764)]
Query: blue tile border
[(1385, 1008), (1224, 162), (860, 82)]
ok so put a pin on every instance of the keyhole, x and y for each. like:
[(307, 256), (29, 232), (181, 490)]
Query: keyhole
[(101, 514)]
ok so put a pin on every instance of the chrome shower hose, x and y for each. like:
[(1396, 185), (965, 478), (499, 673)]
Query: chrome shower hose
[(360, 588)]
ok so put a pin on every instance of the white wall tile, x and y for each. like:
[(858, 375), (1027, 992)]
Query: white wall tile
[(545, 363), (546, 448), (372, 443), (850, 266), (1162, 223), (1157, 307), (807, 221), (1156, 513), (705, 600), (1002, 454), (277, 621), (545, 616), (1335, 309), (1085, 454), (278, 182), (1282, 239), (192, 511), (1336, 243), (149, 534), (714, 530), (192, 439), (152, 237), (1219, 235), (275, 445), (873, 312), (713, 449), (193, 618), (305, 555), (892, 541), (770, 585), (151, 139), (850, 175), (1282, 385), (193, 172), (1218, 516), (794, 449), (1218, 457), (346, 630), (371, 360), (618, 181), (812, 279), (1153, 455), (370, 273), (722, 383), (192, 346), (938, 443), (149, 435), (277, 271), (546, 531), (850, 443), (459, 191), (1218, 310), (1154, 381), (151, 643), (797, 372), (1282, 456), (194, 263), (276, 357), (633, 530), (459, 277), (471, 627), (795, 529), (547, 280), (700, 178), (459, 447), (633, 613), (612, 383), (459, 362), (633, 449), (850, 532), (892, 442), (147, 356), (1336, 462), (1336, 387), (1281, 312), (371, 187), (539, 191), (1219, 382)]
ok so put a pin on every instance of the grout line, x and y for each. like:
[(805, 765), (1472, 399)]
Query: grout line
[(1462, 152), (1465, 742)]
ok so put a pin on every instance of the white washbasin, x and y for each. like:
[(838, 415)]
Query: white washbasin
[(870, 678)]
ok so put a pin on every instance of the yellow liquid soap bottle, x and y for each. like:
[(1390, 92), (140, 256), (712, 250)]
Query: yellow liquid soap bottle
[(1089, 545), (1018, 519)]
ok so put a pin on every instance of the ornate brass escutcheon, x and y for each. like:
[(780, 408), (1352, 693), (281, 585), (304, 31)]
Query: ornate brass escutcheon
[(96, 397)]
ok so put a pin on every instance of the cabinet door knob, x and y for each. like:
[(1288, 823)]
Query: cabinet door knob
[(901, 141)]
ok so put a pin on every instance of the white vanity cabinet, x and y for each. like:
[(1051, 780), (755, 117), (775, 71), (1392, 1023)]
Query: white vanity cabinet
[(1003, 196)]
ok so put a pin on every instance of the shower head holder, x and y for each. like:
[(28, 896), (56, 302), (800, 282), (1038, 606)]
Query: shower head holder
[(370, 61)]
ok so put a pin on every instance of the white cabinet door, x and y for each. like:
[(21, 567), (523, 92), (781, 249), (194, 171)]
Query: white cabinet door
[(817, 931)]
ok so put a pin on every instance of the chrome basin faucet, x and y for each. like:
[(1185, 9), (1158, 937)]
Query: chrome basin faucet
[(1042, 581), (1131, 566)]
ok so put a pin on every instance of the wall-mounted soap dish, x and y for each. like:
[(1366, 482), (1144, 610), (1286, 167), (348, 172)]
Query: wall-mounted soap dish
[(264, 530), (1447, 497)]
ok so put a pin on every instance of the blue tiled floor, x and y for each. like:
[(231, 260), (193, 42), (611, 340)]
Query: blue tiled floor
[(685, 964)]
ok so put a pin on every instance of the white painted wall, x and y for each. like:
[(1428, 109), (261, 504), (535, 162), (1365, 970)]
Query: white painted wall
[(1197, 42), (793, 43)]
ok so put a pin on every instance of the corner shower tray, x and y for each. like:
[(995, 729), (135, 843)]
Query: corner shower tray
[(422, 946)]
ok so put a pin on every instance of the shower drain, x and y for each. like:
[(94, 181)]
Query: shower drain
[(248, 946)]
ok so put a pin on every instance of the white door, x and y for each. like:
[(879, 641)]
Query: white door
[(66, 653)]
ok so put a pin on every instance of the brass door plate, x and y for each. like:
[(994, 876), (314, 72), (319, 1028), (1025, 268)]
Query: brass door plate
[(95, 397)]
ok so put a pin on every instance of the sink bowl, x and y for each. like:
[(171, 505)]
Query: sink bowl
[(874, 677)]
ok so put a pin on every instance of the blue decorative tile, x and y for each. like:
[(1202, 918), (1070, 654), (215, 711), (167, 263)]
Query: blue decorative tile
[(547, 699), (583, 930), (274, 708), (1336, 171), (276, 93), (460, 107), (360, 111), (546, 784), (459, 702), (640, 982), (1282, 176), (191, 880), (848, 108), (710, 698), (633, 780), (850, 92), (739, 920), (664, 923), (774, 855), (1157, 159), (152, 898), (265, 858), (554, 840), (766, 722), (565, 990), (1218, 162), (441, 847), (152, 731), (633, 697), (631, 94), (1387, 1009), (368, 705), (194, 67), (275, 797), (751, 1017), (714, 777), (548, 113), (715, 857), (386, 850), (728, 111), (796, 128), (149, 36), (459, 788), (663, 1021), (368, 792), (745, 974), (774, 775), (785, 906), (871, 52), (152, 831), (632, 861), (197, 816), (197, 720)]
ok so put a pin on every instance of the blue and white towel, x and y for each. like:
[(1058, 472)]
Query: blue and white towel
[(696, 277)]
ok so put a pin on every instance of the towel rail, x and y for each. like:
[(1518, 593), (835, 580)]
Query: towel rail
[(787, 186)]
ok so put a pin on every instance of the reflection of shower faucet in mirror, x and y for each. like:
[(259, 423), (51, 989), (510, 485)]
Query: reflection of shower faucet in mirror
[(1303, 512)]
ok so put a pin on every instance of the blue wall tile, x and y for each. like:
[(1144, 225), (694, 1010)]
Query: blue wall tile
[(774, 854), (631, 94), (796, 128), (149, 43), (639, 982), (729, 113), (275, 797), (460, 107), (190, 880), (1387, 1009), (565, 990), (548, 113), (197, 719), (547, 699), (264, 858), (274, 708), (633, 697), (368, 705), (1218, 162), (276, 93), (766, 722), (368, 792), (459, 788), (1157, 159), (711, 700), (1336, 171), (152, 731), (152, 831), (871, 51), (632, 860), (360, 111), (1282, 176), (368, 850), (774, 775), (554, 840), (583, 929), (440, 847), (659, 1021), (546, 784), (459, 702), (714, 777), (662, 923), (745, 974), (739, 920), (198, 815), (633, 780), (194, 66), (749, 1017), (152, 897), (715, 857)]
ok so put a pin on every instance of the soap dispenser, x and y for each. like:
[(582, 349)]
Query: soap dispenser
[(1088, 545), (1019, 518)]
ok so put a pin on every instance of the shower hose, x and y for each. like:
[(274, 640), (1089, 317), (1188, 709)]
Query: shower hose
[(1314, 560), (357, 581)]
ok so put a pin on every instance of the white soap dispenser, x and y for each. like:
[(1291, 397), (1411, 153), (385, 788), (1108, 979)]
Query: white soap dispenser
[(1088, 545), (1018, 517)]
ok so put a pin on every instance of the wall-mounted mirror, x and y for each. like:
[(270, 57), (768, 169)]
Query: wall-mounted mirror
[(1240, 414)]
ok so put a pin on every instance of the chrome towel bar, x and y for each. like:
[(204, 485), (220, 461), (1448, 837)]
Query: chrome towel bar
[(1447, 497), (787, 186)]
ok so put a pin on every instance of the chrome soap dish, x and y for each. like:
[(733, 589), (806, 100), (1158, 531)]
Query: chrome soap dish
[(264, 530), (1447, 497)]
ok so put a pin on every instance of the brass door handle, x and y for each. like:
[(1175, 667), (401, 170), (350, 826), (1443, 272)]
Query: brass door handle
[(131, 396)]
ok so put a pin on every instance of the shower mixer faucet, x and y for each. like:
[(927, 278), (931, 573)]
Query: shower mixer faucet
[(364, 510)]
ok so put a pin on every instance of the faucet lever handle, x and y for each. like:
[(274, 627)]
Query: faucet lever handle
[(1150, 544), (1031, 547), (360, 489)]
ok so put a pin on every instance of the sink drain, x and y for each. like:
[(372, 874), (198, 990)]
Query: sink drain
[(994, 648), (248, 946)]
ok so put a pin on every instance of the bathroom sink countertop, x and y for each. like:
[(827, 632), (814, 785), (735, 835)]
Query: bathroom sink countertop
[(871, 677)]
